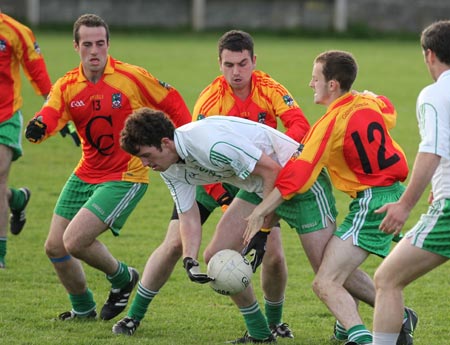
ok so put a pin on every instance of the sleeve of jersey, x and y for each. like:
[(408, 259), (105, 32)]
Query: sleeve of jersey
[(434, 133), (53, 112), (299, 173), (295, 123), (287, 109), (388, 111), (34, 65), (174, 106), (183, 194), (294, 178)]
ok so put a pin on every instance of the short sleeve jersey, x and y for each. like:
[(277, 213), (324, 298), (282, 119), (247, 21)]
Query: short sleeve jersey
[(222, 149), (433, 114), (352, 141), (18, 47), (268, 102), (99, 112)]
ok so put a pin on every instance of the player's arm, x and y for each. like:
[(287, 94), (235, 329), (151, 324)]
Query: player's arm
[(33, 62), (295, 123), (397, 213), (268, 169), (191, 236)]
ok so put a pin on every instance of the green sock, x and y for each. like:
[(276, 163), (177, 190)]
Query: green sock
[(340, 333), (17, 199), (141, 302), (3, 241), (274, 311), (359, 334), (255, 321), (83, 304), (121, 278)]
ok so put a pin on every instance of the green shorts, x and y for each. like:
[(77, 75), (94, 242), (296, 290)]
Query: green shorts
[(362, 222), (307, 212), (112, 202), (208, 201), (11, 134), (432, 231)]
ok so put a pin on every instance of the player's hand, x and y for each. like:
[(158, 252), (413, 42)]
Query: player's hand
[(35, 130), (193, 271), (258, 244), (395, 217)]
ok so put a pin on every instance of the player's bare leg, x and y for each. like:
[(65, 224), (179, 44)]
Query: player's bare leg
[(403, 265), (228, 234), (162, 261), (341, 258)]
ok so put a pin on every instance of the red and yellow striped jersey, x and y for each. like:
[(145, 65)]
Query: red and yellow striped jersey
[(99, 111), (352, 141), (18, 47), (268, 101)]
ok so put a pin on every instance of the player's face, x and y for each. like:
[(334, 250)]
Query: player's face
[(156, 159), (320, 86), (93, 50), (237, 68)]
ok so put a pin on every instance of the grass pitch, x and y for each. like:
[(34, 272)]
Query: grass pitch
[(183, 312)]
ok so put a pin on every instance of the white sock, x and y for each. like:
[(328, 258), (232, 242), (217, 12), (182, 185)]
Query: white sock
[(384, 338)]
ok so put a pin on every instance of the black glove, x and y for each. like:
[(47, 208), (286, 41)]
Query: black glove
[(35, 130), (70, 129), (258, 243), (192, 268)]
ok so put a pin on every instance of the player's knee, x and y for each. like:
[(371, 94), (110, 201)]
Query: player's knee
[(382, 280), (172, 249), (274, 259), (54, 249), (318, 286)]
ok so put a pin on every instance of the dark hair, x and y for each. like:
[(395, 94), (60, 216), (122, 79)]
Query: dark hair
[(145, 127), (340, 66), (236, 41), (91, 21), (436, 37)]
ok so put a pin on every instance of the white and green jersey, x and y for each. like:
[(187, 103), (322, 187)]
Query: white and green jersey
[(223, 149), (433, 114)]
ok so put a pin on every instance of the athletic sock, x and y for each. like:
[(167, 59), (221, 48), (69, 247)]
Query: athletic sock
[(83, 304), (141, 302), (384, 338), (255, 321), (274, 311), (3, 241), (340, 333), (121, 278), (359, 334), (17, 199)]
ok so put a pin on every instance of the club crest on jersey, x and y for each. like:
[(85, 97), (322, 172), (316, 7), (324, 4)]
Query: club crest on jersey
[(288, 100), (296, 154), (37, 48), (262, 117), (2, 45), (164, 84), (116, 100)]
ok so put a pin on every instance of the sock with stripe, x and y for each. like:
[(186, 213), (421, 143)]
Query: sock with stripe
[(141, 302), (121, 278), (83, 304), (274, 311), (359, 334), (3, 241), (255, 321)]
